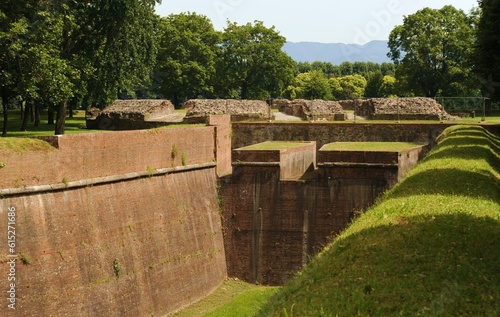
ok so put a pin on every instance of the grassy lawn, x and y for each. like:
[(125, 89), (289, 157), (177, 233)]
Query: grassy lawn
[(24, 144), (275, 145), (430, 247), (233, 298), (370, 146), (73, 125)]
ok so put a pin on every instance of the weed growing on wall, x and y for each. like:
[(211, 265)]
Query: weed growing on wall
[(174, 152), (117, 267), (150, 171), (184, 159), (61, 254), (2, 164), (25, 259), (65, 181)]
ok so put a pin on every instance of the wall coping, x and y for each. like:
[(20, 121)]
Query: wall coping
[(37, 189)]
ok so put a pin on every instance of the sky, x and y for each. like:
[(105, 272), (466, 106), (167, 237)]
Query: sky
[(325, 21)]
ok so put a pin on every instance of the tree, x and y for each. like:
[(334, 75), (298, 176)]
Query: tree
[(432, 52), (346, 68), (388, 88), (120, 40), (488, 48), (387, 69), (348, 87), (252, 63), (187, 56), (15, 20), (326, 67), (374, 85), (313, 85), (304, 67)]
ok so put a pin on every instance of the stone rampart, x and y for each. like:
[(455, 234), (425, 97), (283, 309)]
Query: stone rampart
[(113, 224), (92, 155), (245, 134)]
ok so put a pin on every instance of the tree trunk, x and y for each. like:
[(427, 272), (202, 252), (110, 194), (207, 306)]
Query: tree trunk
[(50, 116), (244, 90), (32, 114), (37, 115), (61, 118), (5, 115), (70, 109), (26, 115), (176, 101), (23, 103)]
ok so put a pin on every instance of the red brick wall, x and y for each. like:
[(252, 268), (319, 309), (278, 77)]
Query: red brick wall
[(85, 156), (162, 232), (263, 222), (272, 226), (245, 134), (222, 124)]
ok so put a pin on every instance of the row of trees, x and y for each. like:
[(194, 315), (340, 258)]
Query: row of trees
[(60, 53), (323, 80), (247, 61), (244, 61), (347, 68)]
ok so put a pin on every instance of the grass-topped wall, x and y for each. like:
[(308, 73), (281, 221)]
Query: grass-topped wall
[(429, 247)]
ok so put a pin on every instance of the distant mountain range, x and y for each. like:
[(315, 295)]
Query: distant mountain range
[(336, 53)]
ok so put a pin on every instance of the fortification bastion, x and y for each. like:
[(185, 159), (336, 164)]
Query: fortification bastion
[(145, 222)]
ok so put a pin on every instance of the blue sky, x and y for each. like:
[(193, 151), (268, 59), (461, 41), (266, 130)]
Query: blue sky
[(326, 21)]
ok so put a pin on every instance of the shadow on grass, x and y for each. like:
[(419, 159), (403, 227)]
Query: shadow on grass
[(426, 264), (461, 144), (464, 173), (478, 184), (442, 265)]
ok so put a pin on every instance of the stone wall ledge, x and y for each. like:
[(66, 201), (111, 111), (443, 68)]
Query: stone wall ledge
[(353, 164), (37, 189), (272, 164)]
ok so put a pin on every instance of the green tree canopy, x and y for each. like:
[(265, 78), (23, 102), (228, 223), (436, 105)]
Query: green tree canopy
[(252, 63), (488, 48), (388, 88), (120, 39), (60, 51), (348, 87), (16, 18), (313, 85), (432, 51), (187, 56), (374, 84)]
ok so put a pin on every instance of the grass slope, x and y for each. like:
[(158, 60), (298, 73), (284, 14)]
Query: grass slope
[(234, 298), (430, 247)]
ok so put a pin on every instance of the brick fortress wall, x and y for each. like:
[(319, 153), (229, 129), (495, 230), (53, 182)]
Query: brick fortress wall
[(245, 134), (274, 224), (134, 228)]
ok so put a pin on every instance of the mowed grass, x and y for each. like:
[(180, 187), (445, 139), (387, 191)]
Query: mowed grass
[(371, 146), (275, 145), (76, 124), (24, 144), (234, 298), (429, 247)]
